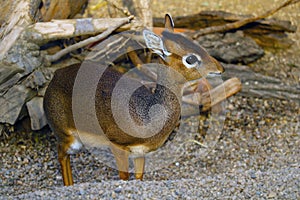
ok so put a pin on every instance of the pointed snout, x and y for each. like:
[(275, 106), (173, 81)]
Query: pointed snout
[(220, 68), (217, 68)]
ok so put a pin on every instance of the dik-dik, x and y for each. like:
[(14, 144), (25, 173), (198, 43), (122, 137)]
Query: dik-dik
[(178, 53)]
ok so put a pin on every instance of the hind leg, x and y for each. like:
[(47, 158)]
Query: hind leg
[(64, 160)]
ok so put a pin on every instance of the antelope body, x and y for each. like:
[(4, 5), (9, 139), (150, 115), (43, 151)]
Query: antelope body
[(178, 53)]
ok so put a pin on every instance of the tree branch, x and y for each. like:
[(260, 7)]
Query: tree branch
[(60, 54), (240, 23)]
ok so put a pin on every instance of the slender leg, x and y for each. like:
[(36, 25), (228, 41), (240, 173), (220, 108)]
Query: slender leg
[(121, 157), (139, 163), (64, 160), (69, 170)]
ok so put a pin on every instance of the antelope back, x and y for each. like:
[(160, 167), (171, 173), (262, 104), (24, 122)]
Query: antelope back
[(177, 52)]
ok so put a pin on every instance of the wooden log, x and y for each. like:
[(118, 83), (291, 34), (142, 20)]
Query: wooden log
[(245, 83), (205, 19), (203, 102), (266, 32), (36, 113), (258, 85), (91, 40), (43, 32), (243, 22)]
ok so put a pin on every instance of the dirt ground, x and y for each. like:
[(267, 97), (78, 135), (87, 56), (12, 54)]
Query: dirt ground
[(257, 156)]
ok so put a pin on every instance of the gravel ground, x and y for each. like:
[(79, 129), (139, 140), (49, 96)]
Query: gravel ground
[(249, 184), (256, 157)]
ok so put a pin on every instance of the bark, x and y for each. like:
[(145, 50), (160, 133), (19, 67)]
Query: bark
[(19, 15), (258, 85), (57, 9), (144, 12), (266, 32)]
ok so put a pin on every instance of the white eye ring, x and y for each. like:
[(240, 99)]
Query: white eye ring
[(191, 60)]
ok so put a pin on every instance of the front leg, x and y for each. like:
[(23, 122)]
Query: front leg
[(139, 163), (121, 157)]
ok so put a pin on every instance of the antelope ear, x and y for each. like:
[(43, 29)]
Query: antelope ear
[(155, 43), (169, 23)]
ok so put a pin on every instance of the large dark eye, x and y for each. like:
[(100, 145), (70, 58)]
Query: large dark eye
[(191, 60)]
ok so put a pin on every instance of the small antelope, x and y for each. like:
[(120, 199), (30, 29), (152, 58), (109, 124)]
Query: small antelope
[(176, 52)]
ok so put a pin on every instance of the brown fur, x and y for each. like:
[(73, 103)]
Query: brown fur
[(58, 106)]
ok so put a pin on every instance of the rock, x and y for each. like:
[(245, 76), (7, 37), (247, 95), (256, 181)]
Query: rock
[(232, 47), (6, 72), (26, 56), (35, 80), (12, 102), (36, 113), (4, 87)]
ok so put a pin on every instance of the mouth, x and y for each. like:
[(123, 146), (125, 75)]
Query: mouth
[(214, 74)]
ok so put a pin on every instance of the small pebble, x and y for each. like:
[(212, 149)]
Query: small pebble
[(118, 190), (272, 194), (253, 175), (113, 195), (81, 192)]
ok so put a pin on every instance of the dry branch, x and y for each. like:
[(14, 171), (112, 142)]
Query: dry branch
[(44, 32), (269, 32), (210, 98), (238, 24), (60, 54), (213, 97)]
